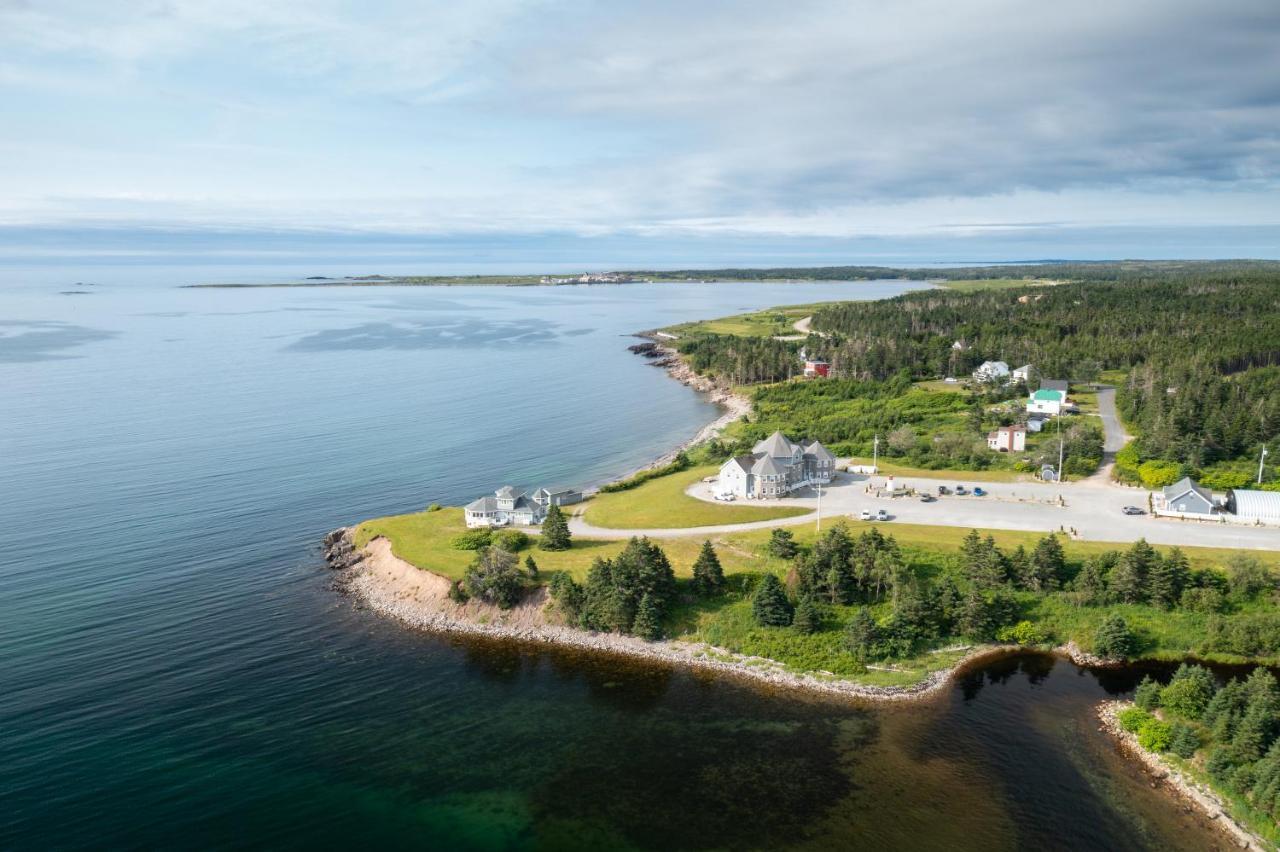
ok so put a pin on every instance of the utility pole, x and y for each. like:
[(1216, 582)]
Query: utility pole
[(875, 454), (1262, 460), (1058, 419), (819, 523)]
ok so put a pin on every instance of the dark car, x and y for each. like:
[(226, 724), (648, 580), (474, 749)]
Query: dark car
[(943, 490), (1133, 510), (928, 498), (961, 490)]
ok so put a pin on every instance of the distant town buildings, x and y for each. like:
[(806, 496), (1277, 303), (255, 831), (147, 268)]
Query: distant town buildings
[(776, 467), (589, 278)]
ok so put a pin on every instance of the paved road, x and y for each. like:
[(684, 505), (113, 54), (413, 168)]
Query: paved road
[(1116, 437), (1092, 508)]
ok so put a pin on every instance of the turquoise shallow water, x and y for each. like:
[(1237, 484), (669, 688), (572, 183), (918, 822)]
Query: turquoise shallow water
[(177, 669)]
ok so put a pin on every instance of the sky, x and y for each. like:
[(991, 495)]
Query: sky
[(662, 133)]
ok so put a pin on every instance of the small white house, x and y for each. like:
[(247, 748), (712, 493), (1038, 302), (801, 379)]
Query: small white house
[(992, 371), (1046, 401), (1008, 439), (1023, 374)]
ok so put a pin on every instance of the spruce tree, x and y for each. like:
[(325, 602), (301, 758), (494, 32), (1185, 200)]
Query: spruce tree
[(782, 544), (862, 634), (1147, 695), (1185, 741), (1168, 578), (531, 567), (555, 530), (708, 576), (808, 619), (1049, 564), (770, 606), (648, 622), (1114, 638)]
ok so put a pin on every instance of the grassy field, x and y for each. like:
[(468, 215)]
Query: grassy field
[(770, 322), (662, 504), (995, 284)]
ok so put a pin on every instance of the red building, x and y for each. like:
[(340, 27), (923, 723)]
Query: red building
[(814, 369)]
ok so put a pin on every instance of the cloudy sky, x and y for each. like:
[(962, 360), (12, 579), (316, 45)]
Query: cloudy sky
[(917, 127)]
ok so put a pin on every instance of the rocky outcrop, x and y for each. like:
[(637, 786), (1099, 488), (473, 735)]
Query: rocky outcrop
[(1084, 659), (340, 550)]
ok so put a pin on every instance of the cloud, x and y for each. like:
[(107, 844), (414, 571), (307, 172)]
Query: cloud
[(818, 116)]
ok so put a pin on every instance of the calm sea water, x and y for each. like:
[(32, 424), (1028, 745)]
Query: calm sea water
[(176, 669)]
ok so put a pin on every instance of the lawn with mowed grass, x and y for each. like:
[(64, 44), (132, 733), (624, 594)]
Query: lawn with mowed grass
[(662, 504)]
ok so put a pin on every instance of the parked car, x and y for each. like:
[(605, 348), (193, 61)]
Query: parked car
[(1133, 510), (943, 490), (961, 490), (928, 498), (882, 515), (728, 498), (865, 514), (978, 492)]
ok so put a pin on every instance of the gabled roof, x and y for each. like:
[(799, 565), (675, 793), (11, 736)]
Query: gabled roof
[(484, 504), (1184, 485), (508, 492), (776, 444), (1047, 395), (819, 452), (1025, 368), (743, 462), (1055, 384), (766, 466), (995, 365)]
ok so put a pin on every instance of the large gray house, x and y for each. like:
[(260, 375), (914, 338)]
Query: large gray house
[(508, 506), (776, 467)]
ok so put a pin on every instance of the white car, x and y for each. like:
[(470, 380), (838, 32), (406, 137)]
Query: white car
[(728, 498), (865, 515), (882, 515)]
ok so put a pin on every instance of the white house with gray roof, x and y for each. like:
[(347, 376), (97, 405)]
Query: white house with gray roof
[(776, 467), (506, 507)]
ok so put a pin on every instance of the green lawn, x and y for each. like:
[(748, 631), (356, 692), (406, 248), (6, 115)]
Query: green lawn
[(661, 503), (767, 323)]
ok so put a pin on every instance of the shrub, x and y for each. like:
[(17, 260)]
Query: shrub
[(513, 541), (1155, 735), (681, 462), (1157, 474), (434, 507), (1022, 633), (1189, 693), (1133, 718), (494, 577), (473, 539), (1147, 695), (1205, 600), (1114, 638)]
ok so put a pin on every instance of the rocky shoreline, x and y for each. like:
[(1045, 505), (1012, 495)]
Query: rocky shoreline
[(390, 586), (1161, 772)]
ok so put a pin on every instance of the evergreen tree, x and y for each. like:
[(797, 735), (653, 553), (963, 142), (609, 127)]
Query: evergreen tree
[(1114, 638), (1147, 695), (862, 634), (1021, 570), (1129, 580), (555, 530), (708, 576), (1091, 584), (1185, 741), (567, 596), (648, 623), (1049, 563), (807, 617), (782, 544), (531, 567), (1168, 578), (975, 620), (770, 606)]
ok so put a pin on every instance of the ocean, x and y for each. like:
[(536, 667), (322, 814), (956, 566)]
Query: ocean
[(178, 670)]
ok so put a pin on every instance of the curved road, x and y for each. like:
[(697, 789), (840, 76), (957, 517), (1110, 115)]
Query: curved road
[(1091, 507)]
